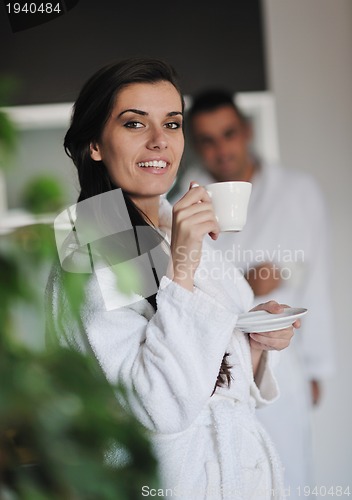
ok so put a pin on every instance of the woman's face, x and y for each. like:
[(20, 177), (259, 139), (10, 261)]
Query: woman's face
[(142, 142)]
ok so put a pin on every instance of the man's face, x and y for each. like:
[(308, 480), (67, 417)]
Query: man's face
[(222, 141)]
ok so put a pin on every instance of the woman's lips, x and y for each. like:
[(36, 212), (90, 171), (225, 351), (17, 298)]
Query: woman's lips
[(153, 163), (154, 166)]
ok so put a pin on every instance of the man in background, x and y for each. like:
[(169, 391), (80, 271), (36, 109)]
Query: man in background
[(283, 253)]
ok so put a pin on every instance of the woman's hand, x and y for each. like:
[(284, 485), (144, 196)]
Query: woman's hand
[(270, 341), (193, 218), (278, 340)]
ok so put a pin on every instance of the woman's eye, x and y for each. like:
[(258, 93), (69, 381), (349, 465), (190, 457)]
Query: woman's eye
[(173, 125), (133, 125)]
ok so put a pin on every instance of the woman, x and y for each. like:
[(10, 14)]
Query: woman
[(194, 379)]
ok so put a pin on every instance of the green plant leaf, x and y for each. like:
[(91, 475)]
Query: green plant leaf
[(43, 194)]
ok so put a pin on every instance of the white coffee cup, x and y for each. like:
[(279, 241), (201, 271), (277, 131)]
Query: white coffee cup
[(230, 202)]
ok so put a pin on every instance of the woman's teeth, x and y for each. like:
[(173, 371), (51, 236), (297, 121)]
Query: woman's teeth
[(154, 163)]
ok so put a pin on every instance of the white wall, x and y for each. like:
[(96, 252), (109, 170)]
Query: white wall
[(309, 53)]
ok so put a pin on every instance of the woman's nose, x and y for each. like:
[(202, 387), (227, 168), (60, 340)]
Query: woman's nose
[(157, 139)]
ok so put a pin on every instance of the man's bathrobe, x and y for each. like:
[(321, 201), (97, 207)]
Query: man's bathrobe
[(208, 447)]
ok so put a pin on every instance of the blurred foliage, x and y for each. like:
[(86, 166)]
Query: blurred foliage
[(58, 413), (62, 425), (9, 87), (8, 138), (43, 194), (8, 135)]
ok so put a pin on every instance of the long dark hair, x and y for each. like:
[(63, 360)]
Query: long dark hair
[(91, 112)]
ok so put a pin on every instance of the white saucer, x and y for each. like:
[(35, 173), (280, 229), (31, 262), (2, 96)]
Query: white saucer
[(262, 321)]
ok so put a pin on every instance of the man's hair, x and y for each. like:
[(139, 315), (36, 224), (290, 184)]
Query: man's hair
[(212, 99)]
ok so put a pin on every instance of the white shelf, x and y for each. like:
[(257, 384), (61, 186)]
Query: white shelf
[(17, 218), (40, 116)]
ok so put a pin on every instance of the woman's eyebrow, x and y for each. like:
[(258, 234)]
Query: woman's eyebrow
[(132, 110), (174, 113), (144, 113)]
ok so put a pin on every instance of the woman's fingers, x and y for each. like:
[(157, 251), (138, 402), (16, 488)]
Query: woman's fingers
[(193, 195), (272, 307), (276, 340), (188, 210), (193, 218), (195, 208), (259, 346)]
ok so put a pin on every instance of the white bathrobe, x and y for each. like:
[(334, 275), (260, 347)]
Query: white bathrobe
[(287, 224), (208, 447)]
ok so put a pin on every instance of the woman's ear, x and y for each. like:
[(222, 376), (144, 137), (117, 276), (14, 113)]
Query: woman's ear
[(95, 151)]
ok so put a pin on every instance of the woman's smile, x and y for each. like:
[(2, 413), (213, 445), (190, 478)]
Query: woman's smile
[(154, 166)]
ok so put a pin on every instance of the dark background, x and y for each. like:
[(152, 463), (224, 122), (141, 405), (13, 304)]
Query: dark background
[(210, 44)]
